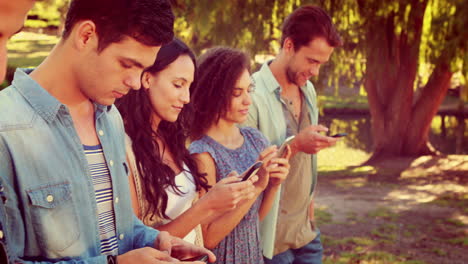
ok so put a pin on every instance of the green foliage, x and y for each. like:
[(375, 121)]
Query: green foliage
[(254, 26), (47, 13), (26, 50)]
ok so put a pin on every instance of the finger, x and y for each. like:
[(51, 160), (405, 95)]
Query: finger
[(230, 179), (280, 161), (211, 256), (232, 173), (253, 179), (322, 128), (159, 255), (281, 173), (240, 185), (288, 152), (272, 166), (280, 169), (318, 128), (165, 244), (321, 139), (247, 193), (267, 151), (270, 156), (189, 250), (191, 262)]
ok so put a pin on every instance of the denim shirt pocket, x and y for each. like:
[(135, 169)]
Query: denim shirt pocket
[(54, 216)]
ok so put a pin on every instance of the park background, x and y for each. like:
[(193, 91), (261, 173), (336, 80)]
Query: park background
[(393, 190)]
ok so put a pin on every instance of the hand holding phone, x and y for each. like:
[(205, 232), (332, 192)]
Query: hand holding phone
[(339, 135), (203, 258), (252, 170)]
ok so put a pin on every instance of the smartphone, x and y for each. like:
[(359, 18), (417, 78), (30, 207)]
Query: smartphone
[(282, 148), (251, 171), (339, 135), (203, 258)]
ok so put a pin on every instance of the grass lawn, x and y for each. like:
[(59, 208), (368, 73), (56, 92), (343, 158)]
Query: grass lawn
[(27, 49)]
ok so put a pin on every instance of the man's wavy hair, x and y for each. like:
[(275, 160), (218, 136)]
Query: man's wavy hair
[(150, 22), (137, 112), (307, 23), (219, 69)]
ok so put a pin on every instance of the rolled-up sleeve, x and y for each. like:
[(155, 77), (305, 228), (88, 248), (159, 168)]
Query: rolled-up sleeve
[(144, 236)]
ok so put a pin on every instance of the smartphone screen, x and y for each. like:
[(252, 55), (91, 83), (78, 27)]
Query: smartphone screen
[(251, 171)]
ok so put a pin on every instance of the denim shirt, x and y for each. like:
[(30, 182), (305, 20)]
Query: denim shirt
[(4, 253), (266, 114), (51, 205)]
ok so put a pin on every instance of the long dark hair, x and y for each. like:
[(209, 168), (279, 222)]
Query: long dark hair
[(218, 71), (137, 112)]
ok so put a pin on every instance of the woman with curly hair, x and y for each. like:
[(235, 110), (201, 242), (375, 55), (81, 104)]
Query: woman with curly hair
[(221, 102), (164, 179)]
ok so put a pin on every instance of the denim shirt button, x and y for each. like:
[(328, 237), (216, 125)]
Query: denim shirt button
[(116, 200), (1, 234), (121, 236), (101, 133), (50, 198), (111, 162)]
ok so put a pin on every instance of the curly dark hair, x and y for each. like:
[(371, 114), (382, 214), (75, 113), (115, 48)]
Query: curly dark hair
[(148, 21), (137, 112), (218, 70)]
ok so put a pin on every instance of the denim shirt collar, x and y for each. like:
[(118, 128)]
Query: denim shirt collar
[(46, 105)]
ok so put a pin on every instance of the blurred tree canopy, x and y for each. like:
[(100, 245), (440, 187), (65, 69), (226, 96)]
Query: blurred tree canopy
[(403, 52), (47, 13)]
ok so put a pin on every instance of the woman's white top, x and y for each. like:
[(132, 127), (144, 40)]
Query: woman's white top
[(178, 203)]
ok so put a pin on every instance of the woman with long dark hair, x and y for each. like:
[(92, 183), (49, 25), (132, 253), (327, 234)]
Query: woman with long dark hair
[(164, 178), (221, 102)]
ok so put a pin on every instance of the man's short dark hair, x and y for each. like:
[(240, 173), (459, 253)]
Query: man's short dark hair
[(148, 21), (307, 23)]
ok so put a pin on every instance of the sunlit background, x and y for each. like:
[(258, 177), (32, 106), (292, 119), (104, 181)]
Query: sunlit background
[(400, 210)]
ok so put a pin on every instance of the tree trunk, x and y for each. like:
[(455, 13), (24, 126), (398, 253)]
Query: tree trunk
[(424, 110), (391, 68)]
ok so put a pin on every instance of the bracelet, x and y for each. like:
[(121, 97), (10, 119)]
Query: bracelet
[(111, 259)]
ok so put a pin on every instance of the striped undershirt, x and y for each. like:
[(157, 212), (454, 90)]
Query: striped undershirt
[(104, 198)]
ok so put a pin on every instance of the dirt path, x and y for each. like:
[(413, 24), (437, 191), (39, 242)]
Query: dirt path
[(403, 211)]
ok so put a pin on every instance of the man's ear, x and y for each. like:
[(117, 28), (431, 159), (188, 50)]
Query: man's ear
[(146, 80), (288, 45), (84, 35)]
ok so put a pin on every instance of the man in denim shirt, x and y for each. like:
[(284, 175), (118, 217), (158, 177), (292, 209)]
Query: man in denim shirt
[(13, 15), (50, 113)]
